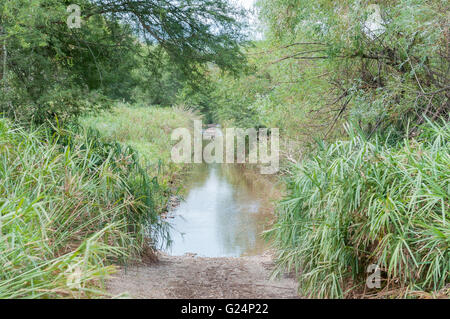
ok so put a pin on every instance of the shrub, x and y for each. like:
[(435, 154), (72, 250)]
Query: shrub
[(70, 205), (360, 202)]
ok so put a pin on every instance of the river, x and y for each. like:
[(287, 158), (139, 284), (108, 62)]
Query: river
[(224, 212)]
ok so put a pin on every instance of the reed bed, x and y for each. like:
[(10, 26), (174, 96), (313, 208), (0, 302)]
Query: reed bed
[(369, 201), (71, 205)]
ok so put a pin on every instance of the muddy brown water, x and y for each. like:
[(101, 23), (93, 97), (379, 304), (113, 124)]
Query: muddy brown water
[(225, 209)]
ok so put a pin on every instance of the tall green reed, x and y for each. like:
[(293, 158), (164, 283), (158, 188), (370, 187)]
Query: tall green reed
[(70, 206), (360, 202)]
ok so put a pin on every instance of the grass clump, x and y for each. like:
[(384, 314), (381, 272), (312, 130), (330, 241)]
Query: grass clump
[(146, 129), (360, 202), (70, 205)]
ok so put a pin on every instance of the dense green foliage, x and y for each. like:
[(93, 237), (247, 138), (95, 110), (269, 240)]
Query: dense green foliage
[(381, 75), (49, 70), (70, 205), (359, 202)]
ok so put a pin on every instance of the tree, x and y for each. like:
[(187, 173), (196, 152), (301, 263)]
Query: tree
[(52, 70), (391, 76)]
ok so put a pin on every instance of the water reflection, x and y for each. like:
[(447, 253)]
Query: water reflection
[(223, 214)]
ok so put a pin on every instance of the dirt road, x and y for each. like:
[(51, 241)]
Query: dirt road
[(194, 277)]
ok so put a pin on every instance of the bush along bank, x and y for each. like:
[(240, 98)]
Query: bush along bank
[(369, 201), (71, 205)]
